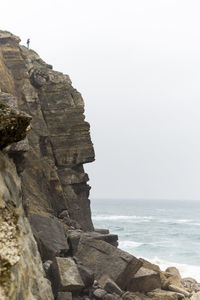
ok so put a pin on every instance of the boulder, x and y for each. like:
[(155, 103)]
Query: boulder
[(109, 285), (143, 281), (50, 236), (158, 294), (87, 275), (111, 297), (173, 271), (149, 265), (191, 284), (195, 296), (65, 276), (167, 279), (73, 239), (64, 296), (134, 296), (14, 125), (177, 289), (102, 230), (103, 258), (99, 293)]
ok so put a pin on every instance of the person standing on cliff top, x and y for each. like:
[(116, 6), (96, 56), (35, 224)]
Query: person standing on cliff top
[(28, 42)]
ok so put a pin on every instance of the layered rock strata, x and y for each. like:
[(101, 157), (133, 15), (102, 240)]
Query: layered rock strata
[(44, 197)]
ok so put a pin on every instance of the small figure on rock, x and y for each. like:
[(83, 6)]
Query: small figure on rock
[(28, 43)]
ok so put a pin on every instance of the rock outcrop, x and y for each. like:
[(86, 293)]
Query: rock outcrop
[(51, 172), (48, 246)]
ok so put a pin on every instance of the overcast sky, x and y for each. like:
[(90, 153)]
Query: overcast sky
[(137, 65)]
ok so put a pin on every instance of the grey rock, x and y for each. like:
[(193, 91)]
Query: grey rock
[(65, 276), (50, 236), (47, 265), (111, 297), (109, 285), (103, 258), (177, 289), (73, 238), (191, 283), (102, 230), (87, 275), (64, 296), (158, 294), (173, 271), (143, 281), (99, 293), (195, 296), (136, 296)]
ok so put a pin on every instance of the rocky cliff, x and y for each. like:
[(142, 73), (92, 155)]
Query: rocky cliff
[(48, 246)]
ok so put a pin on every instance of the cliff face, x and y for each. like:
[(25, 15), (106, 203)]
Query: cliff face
[(44, 197), (54, 179), (54, 184)]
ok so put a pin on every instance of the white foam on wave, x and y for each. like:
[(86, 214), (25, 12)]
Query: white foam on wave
[(184, 269), (115, 217), (129, 245)]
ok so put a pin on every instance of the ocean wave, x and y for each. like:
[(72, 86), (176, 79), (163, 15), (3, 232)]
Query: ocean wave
[(129, 245), (184, 269), (121, 218)]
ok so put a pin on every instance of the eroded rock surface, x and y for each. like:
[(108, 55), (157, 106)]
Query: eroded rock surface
[(21, 272)]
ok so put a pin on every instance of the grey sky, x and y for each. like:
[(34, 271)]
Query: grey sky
[(137, 65)]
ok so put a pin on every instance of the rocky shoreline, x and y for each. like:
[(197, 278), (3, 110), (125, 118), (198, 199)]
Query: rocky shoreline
[(49, 248), (102, 271)]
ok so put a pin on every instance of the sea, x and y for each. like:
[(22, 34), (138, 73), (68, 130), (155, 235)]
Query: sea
[(165, 232)]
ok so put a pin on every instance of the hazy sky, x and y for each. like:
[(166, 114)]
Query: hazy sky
[(137, 65)]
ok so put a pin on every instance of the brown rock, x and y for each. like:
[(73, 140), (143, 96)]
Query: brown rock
[(195, 296), (143, 281), (99, 293), (50, 236), (191, 284), (102, 230), (134, 296), (177, 289), (87, 275), (64, 296), (109, 285), (111, 297), (149, 265), (173, 271), (65, 275), (103, 258), (164, 295), (14, 125)]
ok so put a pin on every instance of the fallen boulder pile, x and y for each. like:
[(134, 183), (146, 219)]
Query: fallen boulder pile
[(93, 267)]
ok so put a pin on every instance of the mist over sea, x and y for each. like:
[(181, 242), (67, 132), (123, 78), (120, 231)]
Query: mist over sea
[(165, 232)]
